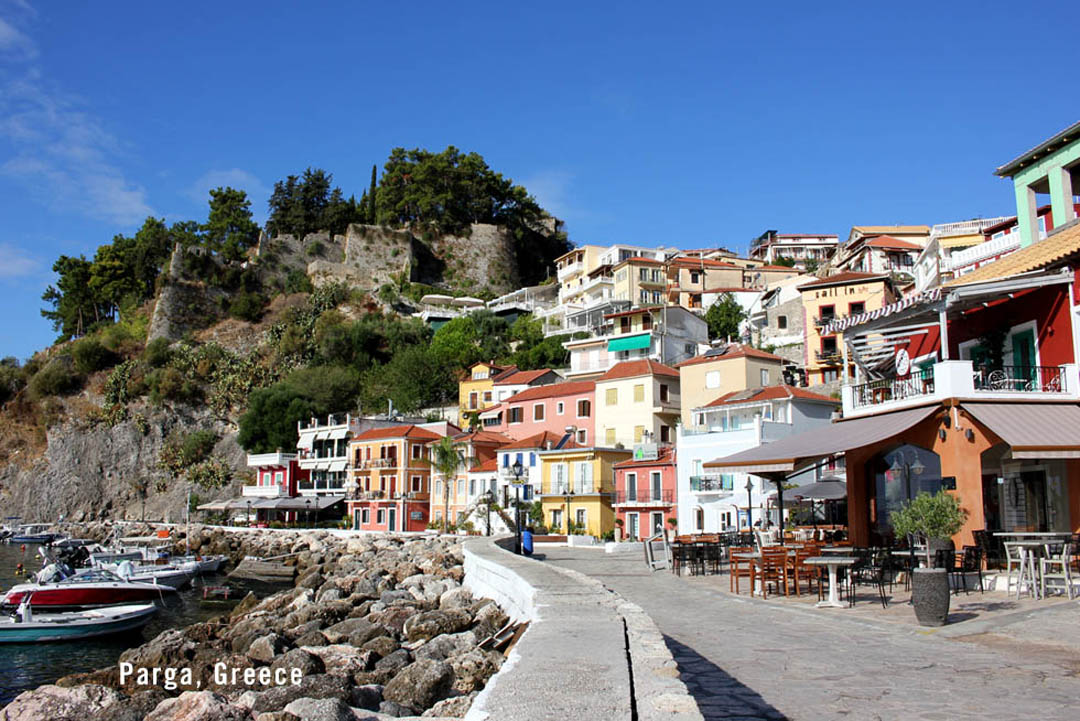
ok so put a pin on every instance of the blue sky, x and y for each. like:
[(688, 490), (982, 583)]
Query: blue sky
[(683, 124)]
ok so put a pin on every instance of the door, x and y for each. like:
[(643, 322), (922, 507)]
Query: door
[(392, 525), (632, 521), (631, 487), (657, 523), (656, 487), (356, 519), (1023, 359)]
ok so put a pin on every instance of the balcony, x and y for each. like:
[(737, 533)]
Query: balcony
[(828, 356), (367, 464), (959, 379), (710, 484), (569, 271), (645, 496), (575, 489), (271, 491), (825, 319)]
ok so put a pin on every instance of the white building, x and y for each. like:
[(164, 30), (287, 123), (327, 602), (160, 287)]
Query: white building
[(771, 246), (714, 502), (668, 334), (323, 450)]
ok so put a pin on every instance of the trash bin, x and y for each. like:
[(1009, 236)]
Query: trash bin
[(526, 542)]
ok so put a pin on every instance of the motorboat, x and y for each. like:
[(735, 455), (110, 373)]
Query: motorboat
[(34, 533), (65, 544), (25, 626), (202, 564), (92, 587), (175, 577)]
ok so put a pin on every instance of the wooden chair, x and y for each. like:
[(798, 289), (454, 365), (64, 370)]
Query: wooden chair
[(773, 568), (740, 568), (797, 568)]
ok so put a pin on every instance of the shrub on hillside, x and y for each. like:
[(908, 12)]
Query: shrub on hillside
[(247, 306), (91, 355), (157, 353), (182, 451), (12, 379), (57, 378), (297, 281), (169, 384)]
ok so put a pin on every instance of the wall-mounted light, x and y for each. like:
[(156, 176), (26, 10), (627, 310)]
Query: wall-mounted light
[(941, 433), (969, 434), (947, 420)]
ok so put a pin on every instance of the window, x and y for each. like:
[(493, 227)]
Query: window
[(829, 375), (417, 484), (644, 296), (781, 322), (556, 520), (639, 432), (558, 477), (639, 393), (582, 437), (519, 458), (506, 460), (646, 322), (417, 451), (665, 434), (643, 274), (609, 436), (516, 414), (365, 516), (584, 409), (712, 379), (532, 460), (472, 486), (461, 487), (473, 398), (699, 519), (380, 517), (479, 374), (279, 478), (538, 412), (582, 517), (657, 523), (631, 487), (827, 312), (487, 397), (438, 489), (559, 408), (695, 277), (856, 308), (663, 393), (764, 376), (611, 396)]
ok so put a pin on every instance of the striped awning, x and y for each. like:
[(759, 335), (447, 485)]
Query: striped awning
[(1033, 430), (927, 296)]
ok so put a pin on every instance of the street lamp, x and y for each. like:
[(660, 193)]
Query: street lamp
[(249, 513), (749, 508), (517, 469), (307, 512)]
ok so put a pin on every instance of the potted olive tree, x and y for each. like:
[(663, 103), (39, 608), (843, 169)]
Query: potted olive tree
[(937, 518)]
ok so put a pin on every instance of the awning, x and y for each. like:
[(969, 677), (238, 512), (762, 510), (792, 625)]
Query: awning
[(793, 452), (305, 441), (337, 466), (218, 505), (338, 433), (491, 415), (301, 503), (322, 435), (827, 489), (1033, 430), (631, 342)]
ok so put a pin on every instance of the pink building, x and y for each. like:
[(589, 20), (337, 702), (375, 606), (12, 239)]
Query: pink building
[(645, 495), (277, 475), (551, 408)]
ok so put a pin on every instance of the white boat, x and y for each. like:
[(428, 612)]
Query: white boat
[(25, 626), (172, 576), (90, 587), (202, 564), (34, 533)]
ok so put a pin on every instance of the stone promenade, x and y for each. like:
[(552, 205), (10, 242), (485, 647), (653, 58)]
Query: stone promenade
[(749, 659)]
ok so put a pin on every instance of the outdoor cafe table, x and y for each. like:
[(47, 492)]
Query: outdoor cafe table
[(1030, 544), (832, 562), (754, 557)]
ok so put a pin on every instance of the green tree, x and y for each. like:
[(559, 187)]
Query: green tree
[(724, 317), (270, 420), (447, 460), (74, 304), (784, 261), (471, 338), (415, 378), (372, 213), (533, 350), (229, 229)]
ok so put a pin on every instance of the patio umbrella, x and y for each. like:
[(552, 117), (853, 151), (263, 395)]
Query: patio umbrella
[(829, 488)]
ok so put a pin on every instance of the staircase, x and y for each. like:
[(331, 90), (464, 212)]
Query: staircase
[(501, 521)]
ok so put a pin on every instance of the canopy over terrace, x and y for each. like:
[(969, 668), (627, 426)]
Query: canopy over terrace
[(871, 339)]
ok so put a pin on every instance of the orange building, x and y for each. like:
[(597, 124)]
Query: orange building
[(455, 498), (390, 479)]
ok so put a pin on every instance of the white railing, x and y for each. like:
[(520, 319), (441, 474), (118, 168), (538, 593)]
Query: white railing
[(982, 251)]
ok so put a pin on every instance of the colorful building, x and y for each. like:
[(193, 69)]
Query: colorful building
[(552, 408), (637, 402), (837, 297), (688, 279), (645, 494), (476, 391), (514, 381), (668, 334), (726, 368), (390, 479), (578, 483), (802, 248), (323, 451), (277, 476), (455, 498)]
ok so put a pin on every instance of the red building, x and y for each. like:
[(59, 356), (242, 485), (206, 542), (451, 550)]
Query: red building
[(277, 476), (645, 494)]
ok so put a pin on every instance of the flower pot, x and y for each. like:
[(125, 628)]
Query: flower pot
[(930, 596), (618, 534), (938, 544)]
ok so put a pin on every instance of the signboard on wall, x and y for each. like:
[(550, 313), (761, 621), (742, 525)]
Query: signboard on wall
[(416, 515), (646, 452)]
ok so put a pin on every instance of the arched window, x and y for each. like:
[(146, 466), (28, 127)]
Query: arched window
[(901, 474), (699, 519)]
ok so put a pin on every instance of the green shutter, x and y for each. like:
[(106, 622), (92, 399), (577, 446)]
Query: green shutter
[(633, 342)]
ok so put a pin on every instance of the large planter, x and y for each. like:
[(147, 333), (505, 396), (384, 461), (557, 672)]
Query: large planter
[(938, 544), (930, 596)]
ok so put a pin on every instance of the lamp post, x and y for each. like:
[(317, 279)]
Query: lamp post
[(307, 513), (749, 508), (518, 469), (249, 513)]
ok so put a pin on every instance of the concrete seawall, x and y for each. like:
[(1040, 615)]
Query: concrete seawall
[(587, 653)]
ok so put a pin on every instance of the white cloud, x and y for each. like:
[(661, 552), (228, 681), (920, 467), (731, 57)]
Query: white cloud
[(61, 154), (551, 188), (16, 262), (14, 42)]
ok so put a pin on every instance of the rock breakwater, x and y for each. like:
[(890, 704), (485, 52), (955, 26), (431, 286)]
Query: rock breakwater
[(375, 627)]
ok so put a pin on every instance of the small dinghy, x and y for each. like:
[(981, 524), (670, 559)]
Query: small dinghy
[(25, 626)]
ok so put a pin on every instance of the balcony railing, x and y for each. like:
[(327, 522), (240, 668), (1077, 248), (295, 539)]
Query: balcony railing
[(365, 464), (827, 356), (919, 383), (575, 489), (825, 319), (645, 495), (710, 484), (1022, 379)]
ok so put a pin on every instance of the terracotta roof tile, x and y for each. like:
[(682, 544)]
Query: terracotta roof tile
[(487, 466), (519, 377), (732, 350), (768, 393), (1057, 247), (482, 437), (634, 368), (884, 229), (666, 456), (552, 391), (538, 440), (403, 431), (887, 241), (850, 276)]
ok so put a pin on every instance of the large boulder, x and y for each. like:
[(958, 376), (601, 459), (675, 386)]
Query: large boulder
[(356, 631), (319, 686), (308, 663), (341, 658), (321, 709), (197, 706), (430, 624), (420, 684), (265, 648), (53, 703), (473, 669), (455, 707), (443, 647)]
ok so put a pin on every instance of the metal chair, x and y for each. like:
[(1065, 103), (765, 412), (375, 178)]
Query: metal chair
[(1057, 568), (970, 562)]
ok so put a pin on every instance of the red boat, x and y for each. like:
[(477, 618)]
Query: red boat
[(86, 589)]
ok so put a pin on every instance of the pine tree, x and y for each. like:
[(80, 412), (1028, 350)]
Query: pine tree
[(371, 219)]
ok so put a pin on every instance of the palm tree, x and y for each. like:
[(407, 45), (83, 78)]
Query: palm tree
[(446, 460)]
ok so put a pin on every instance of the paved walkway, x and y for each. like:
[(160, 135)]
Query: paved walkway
[(749, 659)]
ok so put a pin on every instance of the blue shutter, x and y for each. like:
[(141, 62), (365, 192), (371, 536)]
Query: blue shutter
[(532, 459), (506, 460)]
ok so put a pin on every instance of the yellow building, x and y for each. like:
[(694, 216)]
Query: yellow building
[(572, 270), (838, 296), (642, 281), (725, 369), (637, 402), (476, 391), (578, 482), (688, 278)]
